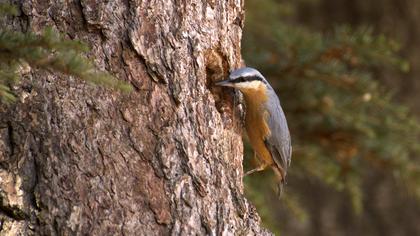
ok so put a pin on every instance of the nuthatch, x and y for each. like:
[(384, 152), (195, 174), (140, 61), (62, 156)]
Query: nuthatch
[(265, 121)]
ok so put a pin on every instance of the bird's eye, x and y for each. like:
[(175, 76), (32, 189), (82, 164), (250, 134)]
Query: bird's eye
[(253, 78), (247, 79), (239, 80)]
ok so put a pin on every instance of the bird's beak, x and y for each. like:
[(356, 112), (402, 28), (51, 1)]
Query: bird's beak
[(225, 83)]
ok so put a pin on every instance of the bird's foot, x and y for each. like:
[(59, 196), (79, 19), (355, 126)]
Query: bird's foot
[(259, 168)]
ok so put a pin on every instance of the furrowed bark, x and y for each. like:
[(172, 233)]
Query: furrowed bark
[(165, 159)]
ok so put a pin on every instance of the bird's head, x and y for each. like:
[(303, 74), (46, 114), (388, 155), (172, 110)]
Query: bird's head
[(245, 79)]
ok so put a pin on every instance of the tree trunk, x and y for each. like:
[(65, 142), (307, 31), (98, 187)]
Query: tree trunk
[(165, 159)]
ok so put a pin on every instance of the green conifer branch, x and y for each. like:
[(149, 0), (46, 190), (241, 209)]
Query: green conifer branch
[(48, 51)]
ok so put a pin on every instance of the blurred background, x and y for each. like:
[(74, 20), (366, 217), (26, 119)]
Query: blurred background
[(346, 73)]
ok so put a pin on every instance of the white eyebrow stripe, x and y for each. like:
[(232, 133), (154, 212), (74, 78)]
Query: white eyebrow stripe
[(246, 74)]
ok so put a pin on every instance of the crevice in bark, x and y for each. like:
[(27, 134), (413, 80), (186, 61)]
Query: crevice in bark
[(217, 69), (80, 7), (24, 19), (32, 188), (10, 137), (149, 69), (12, 211), (175, 89)]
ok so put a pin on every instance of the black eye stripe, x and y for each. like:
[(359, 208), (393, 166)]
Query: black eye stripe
[(247, 79)]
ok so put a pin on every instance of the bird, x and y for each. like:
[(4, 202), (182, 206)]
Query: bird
[(265, 122)]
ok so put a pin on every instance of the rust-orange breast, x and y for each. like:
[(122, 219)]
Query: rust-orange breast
[(256, 124)]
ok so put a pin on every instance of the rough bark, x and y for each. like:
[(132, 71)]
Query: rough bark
[(165, 159)]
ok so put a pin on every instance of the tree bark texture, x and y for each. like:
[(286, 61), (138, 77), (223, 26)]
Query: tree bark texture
[(166, 159)]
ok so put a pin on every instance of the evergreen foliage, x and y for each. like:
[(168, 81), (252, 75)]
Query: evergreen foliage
[(343, 122), (48, 51)]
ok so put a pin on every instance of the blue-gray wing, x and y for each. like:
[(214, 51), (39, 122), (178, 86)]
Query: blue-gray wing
[(278, 142)]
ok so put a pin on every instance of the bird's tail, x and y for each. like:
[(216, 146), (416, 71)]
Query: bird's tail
[(280, 186), (281, 179)]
